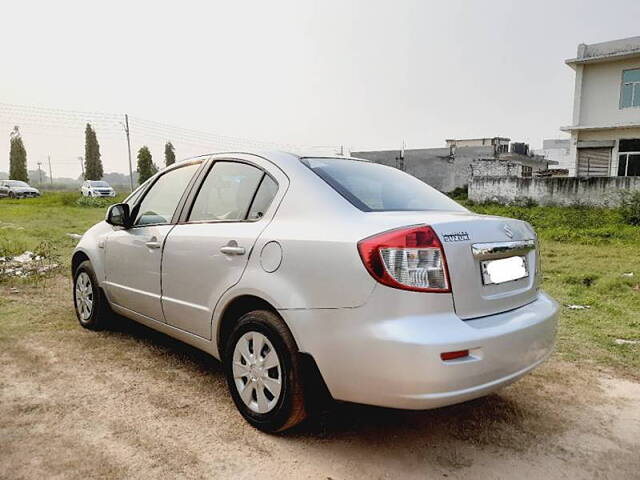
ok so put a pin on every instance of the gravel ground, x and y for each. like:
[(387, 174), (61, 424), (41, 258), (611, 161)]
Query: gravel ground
[(130, 402)]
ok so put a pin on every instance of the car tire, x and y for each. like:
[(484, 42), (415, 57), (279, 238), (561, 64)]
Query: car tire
[(252, 384), (85, 287), (12, 195)]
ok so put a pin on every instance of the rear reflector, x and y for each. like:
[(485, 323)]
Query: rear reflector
[(453, 355), (409, 258)]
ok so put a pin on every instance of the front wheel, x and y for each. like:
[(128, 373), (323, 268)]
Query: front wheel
[(92, 309), (263, 372)]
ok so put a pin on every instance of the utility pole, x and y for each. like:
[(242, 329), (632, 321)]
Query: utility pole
[(50, 174), (82, 166), (400, 159), (126, 129), (40, 172)]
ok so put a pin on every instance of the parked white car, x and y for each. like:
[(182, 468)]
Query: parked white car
[(299, 272), (97, 188)]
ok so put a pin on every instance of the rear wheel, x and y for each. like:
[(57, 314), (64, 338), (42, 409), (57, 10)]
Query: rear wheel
[(12, 195), (264, 373), (92, 309)]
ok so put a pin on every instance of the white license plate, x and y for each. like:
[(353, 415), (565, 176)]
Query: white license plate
[(503, 270)]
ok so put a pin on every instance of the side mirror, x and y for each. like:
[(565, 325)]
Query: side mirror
[(119, 215)]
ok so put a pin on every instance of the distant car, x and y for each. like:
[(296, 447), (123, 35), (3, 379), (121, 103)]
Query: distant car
[(97, 188), (331, 272), (17, 189)]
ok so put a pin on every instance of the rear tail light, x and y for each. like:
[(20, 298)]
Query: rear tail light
[(409, 258)]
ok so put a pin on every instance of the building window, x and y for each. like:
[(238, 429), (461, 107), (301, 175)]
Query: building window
[(629, 158), (630, 91), (527, 171), (629, 165)]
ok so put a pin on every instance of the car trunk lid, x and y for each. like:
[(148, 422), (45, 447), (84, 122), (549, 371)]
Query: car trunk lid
[(471, 243), (471, 247)]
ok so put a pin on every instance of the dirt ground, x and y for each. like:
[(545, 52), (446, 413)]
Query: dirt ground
[(132, 403)]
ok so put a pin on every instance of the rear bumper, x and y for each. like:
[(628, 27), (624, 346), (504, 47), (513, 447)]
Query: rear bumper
[(377, 355)]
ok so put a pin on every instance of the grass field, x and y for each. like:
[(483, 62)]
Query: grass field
[(588, 256), (26, 224)]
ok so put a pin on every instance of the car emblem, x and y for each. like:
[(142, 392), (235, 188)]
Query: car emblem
[(508, 231)]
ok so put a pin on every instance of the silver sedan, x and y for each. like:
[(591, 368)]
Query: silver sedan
[(312, 275)]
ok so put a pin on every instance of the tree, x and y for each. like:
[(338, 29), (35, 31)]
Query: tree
[(146, 167), (17, 157), (92, 163), (169, 154)]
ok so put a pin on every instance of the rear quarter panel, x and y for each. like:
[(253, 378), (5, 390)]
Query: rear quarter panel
[(318, 232)]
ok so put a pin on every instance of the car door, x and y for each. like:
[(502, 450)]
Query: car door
[(133, 255), (4, 191), (207, 253)]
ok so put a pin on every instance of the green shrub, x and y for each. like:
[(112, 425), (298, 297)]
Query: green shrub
[(93, 202), (459, 193), (68, 199), (526, 202), (576, 224), (630, 208)]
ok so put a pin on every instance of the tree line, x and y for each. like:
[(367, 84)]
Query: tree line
[(92, 169)]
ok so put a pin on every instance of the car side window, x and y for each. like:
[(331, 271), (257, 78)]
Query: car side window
[(226, 193), (161, 201), (266, 191)]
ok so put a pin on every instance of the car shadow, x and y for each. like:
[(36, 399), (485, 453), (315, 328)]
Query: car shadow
[(191, 356), (512, 418)]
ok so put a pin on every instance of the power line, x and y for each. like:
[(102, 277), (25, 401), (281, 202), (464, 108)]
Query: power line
[(110, 124), (60, 123)]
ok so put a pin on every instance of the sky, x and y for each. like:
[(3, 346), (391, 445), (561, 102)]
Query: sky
[(363, 74)]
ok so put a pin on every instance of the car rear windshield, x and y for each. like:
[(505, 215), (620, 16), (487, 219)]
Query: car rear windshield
[(377, 188)]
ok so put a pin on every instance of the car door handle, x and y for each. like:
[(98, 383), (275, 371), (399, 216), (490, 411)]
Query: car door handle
[(153, 243), (227, 250), (232, 248)]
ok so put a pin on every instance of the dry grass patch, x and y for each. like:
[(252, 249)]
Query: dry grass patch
[(131, 402)]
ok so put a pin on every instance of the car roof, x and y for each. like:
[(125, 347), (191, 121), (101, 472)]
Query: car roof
[(279, 157)]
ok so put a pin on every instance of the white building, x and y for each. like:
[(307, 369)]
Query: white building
[(558, 150), (605, 135)]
